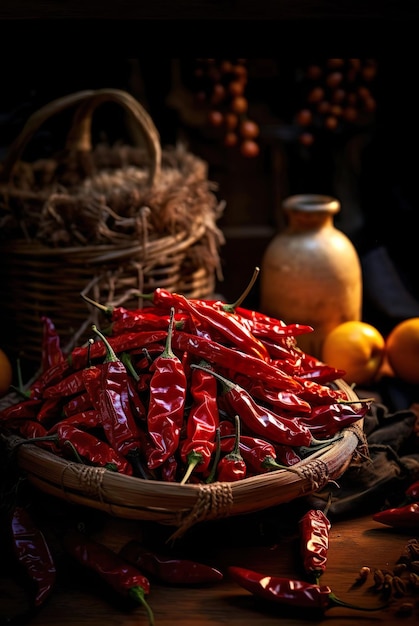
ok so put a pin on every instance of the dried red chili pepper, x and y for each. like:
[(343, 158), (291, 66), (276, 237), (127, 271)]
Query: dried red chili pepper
[(66, 387), (258, 454), (80, 402), (85, 420), (125, 342), (329, 419), (74, 441), (26, 409), (50, 410), (406, 516), (51, 349), (197, 448), (117, 572), (32, 552), (166, 403), (271, 329), (228, 358), (27, 428), (232, 467), (290, 592), (145, 320), (276, 398), (313, 369), (107, 385), (260, 420), (168, 569), (52, 375), (316, 393), (213, 319), (314, 528)]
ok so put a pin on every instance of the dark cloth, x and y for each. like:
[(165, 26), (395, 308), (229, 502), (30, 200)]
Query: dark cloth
[(379, 478)]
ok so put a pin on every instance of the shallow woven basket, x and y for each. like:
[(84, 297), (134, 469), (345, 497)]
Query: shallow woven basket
[(183, 505), (107, 221)]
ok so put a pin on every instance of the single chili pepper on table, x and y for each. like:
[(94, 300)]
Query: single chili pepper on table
[(405, 517), (107, 384), (166, 403), (213, 319), (290, 592), (32, 552), (314, 528), (116, 571), (228, 358), (198, 446), (168, 569), (260, 420)]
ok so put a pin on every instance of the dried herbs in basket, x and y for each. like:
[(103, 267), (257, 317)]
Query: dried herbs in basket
[(104, 219)]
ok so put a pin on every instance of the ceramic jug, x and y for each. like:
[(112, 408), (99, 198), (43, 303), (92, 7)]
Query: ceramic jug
[(310, 271)]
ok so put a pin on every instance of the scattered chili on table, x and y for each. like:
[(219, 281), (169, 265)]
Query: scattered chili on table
[(406, 516), (168, 569), (314, 528), (290, 592), (117, 572), (32, 552)]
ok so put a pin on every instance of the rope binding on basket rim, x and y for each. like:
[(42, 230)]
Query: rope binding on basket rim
[(213, 501)]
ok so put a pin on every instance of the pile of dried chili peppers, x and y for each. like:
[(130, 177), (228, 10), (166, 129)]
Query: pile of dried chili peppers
[(159, 392)]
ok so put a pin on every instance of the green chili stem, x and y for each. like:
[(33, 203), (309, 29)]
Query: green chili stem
[(110, 353), (137, 593), (194, 458), (230, 308), (217, 455)]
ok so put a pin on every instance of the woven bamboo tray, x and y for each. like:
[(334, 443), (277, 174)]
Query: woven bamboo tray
[(106, 220), (184, 505)]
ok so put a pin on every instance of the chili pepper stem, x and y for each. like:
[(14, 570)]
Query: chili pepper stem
[(136, 593), (110, 353), (211, 475), (105, 309), (270, 463), (230, 308), (127, 361), (194, 458), (335, 601)]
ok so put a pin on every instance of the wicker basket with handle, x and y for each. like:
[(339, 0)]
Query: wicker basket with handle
[(109, 221)]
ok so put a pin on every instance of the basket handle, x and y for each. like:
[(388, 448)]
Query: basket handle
[(79, 136)]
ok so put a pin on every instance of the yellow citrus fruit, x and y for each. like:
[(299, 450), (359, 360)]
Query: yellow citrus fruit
[(357, 348), (6, 373), (402, 348)]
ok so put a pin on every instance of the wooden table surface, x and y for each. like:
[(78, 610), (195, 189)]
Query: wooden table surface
[(266, 541)]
